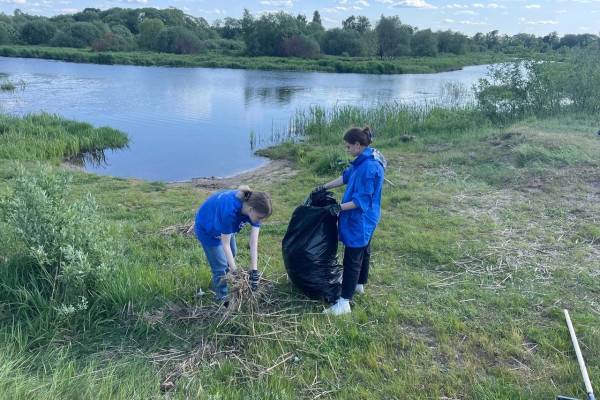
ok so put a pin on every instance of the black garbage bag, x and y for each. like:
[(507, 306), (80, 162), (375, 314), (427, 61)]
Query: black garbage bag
[(310, 249)]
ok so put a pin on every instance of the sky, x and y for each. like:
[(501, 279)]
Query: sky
[(507, 16)]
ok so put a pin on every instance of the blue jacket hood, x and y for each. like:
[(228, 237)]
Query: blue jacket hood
[(371, 153)]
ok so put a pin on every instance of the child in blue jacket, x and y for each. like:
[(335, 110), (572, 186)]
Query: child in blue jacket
[(218, 219), (359, 212)]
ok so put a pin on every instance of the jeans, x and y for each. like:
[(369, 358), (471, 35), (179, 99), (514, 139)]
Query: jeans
[(219, 268), (356, 269)]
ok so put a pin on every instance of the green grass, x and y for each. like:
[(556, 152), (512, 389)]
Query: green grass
[(371, 65), (486, 234), (44, 137), (7, 86)]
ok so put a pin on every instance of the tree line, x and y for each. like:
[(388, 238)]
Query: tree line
[(271, 34)]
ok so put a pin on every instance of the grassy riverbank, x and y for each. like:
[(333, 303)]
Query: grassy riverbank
[(371, 65), (489, 229)]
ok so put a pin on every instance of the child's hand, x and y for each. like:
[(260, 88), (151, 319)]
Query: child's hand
[(253, 278)]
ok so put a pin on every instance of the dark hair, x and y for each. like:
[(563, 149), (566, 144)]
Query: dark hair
[(260, 201), (357, 135)]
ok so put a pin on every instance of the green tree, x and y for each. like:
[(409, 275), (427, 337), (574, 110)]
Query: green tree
[(179, 40), (360, 24), (342, 42), (316, 19), (424, 43), (452, 42), (84, 33), (229, 28), (266, 35), (38, 31), (7, 33), (393, 37), (87, 15), (299, 46), (149, 31)]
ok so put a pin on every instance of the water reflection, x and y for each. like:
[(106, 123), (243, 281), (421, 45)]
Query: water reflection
[(272, 95), (94, 158)]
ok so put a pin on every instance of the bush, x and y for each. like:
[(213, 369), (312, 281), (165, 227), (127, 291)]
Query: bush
[(299, 46), (7, 33), (329, 162), (113, 42), (67, 242), (225, 46), (178, 40), (342, 42), (37, 32)]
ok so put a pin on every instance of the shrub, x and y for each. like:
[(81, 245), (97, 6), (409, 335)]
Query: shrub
[(67, 242), (113, 42), (299, 46), (7, 33), (178, 40), (331, 161), (37, 32)]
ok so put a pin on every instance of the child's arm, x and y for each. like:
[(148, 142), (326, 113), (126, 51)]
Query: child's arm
[(254, 247), (226, 242), (334, 183)]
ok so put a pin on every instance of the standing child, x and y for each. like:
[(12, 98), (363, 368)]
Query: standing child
[(218, 219), (359, 212)]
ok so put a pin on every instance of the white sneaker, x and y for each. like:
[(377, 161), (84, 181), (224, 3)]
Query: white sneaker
[(342, 306), (360, 289)]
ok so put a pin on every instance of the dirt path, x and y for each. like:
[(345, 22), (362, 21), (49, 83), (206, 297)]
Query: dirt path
[(274, 171)]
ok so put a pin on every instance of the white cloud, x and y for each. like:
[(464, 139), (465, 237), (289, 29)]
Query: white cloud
[(363, 3), (449, 21), (455, 5), (412, 4), (561, 11), (533, 6), (69, 10), (13, 1), (466, 12), (472, 23), (215, 11), (543, 22), (335, 9), (490, 5), (277, 3)]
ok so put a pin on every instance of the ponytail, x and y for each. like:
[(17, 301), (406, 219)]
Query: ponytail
[(245, 193), (260, 201)]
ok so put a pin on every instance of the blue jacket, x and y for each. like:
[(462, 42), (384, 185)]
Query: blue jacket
[(364, 181), (221, 213)]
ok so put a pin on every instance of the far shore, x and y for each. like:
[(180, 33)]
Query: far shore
[(334, 64)]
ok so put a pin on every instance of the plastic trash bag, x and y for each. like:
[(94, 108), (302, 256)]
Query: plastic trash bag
[(310, 249)]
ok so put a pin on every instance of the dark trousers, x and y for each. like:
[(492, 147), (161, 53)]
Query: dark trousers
[(356, 269)]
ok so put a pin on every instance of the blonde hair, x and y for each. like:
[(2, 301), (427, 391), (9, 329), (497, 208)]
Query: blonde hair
[(260, 201)]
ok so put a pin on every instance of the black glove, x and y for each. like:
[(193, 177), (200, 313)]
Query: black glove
[(253, 278), (334, 209)]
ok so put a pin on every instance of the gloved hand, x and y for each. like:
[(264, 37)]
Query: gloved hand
[(253, 278), (334, 209)]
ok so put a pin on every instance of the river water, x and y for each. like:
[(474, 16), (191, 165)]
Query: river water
[(197, 122)]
